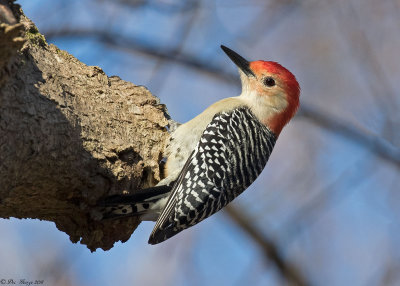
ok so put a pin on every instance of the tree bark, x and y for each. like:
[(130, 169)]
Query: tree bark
[(70, 135)]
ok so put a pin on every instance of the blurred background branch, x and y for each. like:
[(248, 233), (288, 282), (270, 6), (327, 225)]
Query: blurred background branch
[(268, 247)]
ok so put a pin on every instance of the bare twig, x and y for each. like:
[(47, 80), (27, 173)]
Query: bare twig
[(137, 45), (363, 54), (161, 6), (272, 14), (158, 74), (372, 142), (331, 194), (367, 60), (270, 250)]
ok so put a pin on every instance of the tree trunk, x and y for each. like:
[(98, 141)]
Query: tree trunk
[(70, 135)]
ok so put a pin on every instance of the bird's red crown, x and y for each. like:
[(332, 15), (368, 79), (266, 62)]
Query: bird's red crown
[(289, 85)]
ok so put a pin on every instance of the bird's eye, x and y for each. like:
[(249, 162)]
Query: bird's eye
[(269, 81)]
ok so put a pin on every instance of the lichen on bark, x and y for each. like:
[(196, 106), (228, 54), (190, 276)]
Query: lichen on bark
[(70, 135)]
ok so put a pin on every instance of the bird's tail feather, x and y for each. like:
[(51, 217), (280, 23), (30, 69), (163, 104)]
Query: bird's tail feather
[(163, 234), (137, 204)]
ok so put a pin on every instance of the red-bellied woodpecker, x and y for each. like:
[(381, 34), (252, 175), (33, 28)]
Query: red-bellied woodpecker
[(218, 154)]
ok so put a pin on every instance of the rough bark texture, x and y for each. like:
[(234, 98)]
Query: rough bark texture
[(70, 135)]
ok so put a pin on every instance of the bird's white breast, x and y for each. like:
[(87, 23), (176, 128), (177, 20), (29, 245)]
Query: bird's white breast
[(185, 138)]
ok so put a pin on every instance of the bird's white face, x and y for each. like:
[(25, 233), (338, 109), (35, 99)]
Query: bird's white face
[(272, 92), (266, 93)]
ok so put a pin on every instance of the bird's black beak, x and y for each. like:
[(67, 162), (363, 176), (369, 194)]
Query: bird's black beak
[(239, 61)]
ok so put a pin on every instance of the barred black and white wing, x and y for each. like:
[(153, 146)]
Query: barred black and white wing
[(230, 155)]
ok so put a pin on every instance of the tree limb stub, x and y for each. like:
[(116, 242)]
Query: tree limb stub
[(70, 135)]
